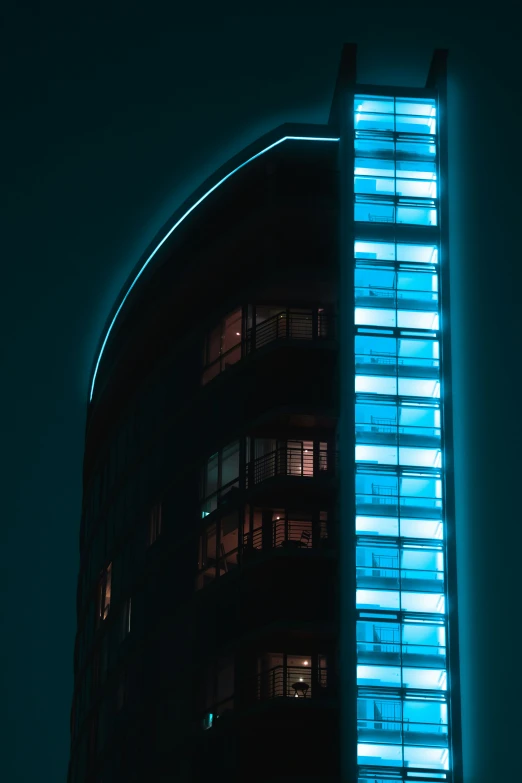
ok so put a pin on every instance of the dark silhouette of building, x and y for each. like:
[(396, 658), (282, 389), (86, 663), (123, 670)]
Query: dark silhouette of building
[(266, 587)]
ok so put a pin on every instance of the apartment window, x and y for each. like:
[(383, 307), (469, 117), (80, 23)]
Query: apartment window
[(405, 433), (222, 346), (217, 693), (296, 676), (406, 577), (219, 549), (104, 593), (294, 457), (391, 296), (408, 653), (408, 366), (220, 475), (155, 523)]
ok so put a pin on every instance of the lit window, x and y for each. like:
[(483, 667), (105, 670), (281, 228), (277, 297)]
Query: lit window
[(282, 675)]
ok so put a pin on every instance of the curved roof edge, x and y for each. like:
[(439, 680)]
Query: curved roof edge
[(286, 132)]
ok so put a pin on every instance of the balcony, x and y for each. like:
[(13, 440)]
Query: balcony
[(239, 544), (297, 462), (426, 581), (288, 534), (292, 682), (389, 731), (387, 363), (384, 502), (385, 431), (377, 297), (290, 324), (429, 656)]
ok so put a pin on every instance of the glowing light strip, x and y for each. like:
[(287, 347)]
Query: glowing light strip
[(182, 218)]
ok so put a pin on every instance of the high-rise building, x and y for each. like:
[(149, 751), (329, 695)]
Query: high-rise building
[(267, 581)]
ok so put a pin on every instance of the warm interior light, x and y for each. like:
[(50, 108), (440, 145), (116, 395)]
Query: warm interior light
[(238, 334), (306, 663), (300, 679)]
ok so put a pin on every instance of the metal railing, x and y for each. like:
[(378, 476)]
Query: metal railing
[(288, 324), (387, 427), (380, 218), (291, 325), (367, 573), (404, 649), (292, 534), (389, 359), (296, 682), (397, 295), (391, 724), (286, 461), (391, 499)]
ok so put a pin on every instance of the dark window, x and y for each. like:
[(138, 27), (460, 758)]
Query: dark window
[(104, 593), (218, 689), (221, 474), (155, 523), (222, 345)]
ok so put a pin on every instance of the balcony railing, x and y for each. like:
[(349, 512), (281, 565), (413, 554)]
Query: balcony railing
[(285, 325), (391, 298), (407, 653), (386, 426), (392, 731), (295, 682), (291, 325), (381, 363), (287, 461), (283, 535), (389, 504), (427, 580), (296, 535)]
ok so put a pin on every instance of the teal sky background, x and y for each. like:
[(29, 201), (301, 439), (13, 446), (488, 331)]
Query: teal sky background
[(113, 114)]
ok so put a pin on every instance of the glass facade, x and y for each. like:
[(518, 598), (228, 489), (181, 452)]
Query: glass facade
[(395, 160), (402, 711)]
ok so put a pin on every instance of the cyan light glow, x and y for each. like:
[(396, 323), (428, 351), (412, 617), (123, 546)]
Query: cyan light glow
[(182, 218), (402, 710)]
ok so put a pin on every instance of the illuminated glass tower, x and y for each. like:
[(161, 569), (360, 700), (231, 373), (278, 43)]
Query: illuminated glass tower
[(401, 502), (267, 581)]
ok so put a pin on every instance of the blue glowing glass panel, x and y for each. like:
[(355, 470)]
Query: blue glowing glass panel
[(399, 460)]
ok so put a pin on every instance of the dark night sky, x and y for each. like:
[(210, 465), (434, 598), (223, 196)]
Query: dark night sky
[(112, 115)]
